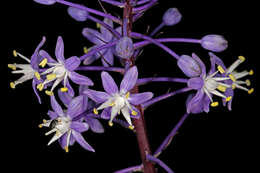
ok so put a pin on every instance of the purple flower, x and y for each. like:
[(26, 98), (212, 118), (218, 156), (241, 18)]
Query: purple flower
[(45, 2), (171, 17), (30, 71), (61, 70), (78, 14), (124, 48), (114, 101), (61, 122), (100, 38), (216, 43)]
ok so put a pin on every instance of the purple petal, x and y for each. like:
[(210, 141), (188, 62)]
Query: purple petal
[(216, 43), (72, 63), (97, 96), (59, 51), (108, 83), (189, 66), (137, 116), (82, 88), (56, 107), (79, 79), (78, 14), (45, 2), (106, 113), (171, 17), (36, 91), (52, 115), (195, 83), (70, 89), (195, 104), (94, 125), (137, 99), (44, 54), (107, 35), (63, 140), (206, 103), (201, 64), (108, 58), (79, 138), (35, 59), (129, 80), (124, 47), (65, 97), (79, 126), (75, 107), (93, 35), (217, 61)]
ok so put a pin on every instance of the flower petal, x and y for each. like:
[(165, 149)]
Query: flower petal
[(70, 89), (126, 115), (72, 63), (34, 83), (45, 2), (97, 96), (107, 35), (108, 58), (108, 83), (44, 54), (59, 51), (195, 104), (78, 14), (189, 66), (35, 59), (129, 80), (79, 126), (201, 64), (106, 113), (79, 138), (139, 98), (65, 97), (94, 125), (75, 107), (56, 107), (80, 79), (93, 35)]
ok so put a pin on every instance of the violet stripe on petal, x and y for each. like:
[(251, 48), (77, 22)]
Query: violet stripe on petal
[(109, 83), (129, 79), (80, 79), (72, 63), (79, 126), (75, 107), (97, 96), (59, 51), (139, 98), (56, 107), (79, 138)]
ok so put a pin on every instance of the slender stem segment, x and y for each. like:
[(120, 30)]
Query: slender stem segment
[(160, 79), (131, 169), (159, 162), (158, 28), (101, 68)]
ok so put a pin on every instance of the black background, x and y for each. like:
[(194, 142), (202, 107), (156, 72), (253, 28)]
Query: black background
[(220, 141)]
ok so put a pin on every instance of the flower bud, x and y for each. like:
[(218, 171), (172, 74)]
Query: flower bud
[(171, 17), (78, 14), (45, 2), (124, 48), (189, 66), (216, 43)]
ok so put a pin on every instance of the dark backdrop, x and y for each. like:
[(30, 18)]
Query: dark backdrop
[(220, 141)]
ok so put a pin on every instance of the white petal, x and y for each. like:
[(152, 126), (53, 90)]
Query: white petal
[(215, 92), (125, 112), (233, 66), (55, 137), (106, 104), (239, 75)]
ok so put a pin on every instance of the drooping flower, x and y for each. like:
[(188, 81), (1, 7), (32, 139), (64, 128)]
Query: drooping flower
[(61, 70), (124, 47), (78, 14), (216, 43), (100, 38), (171, 17), (114, 101), (67, 130), (30, 71)]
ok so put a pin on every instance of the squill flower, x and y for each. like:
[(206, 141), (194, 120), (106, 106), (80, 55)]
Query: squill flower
[(100, 38), (171, 17), (45, 2), (61, 70), (124, 48), (213, 42), (61, 122), (114, 101), (30, 71), (78, 14)]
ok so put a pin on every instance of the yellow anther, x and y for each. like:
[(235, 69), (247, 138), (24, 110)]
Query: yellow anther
[(134, 113), (220, 69), (98, 25), (44, 121), (37, 75), (40, 86), (49, 93), (64, 89), (12, 85), (214, 104), (248, 83), (40, 125), (14, 53), (12, 66), (242, 58), (228, 98), (112, 104), (251, 91), (110, 123), (232, 77), (43, 62), (66, 149), (131, 127), (85, 50), (251, 72), (222, 88), (127, 95), (51, 76), (233, 86), (95, 111)]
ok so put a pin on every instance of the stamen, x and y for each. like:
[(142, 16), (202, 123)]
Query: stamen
[(95, 111), (66, 148), (232, 77), (134, 113), (214, 104), (98, 25), (251, 72), (64, 89), (12, 85), (242, 58), (110, 123), (222, 88), (14, 53), (251, 91), (12, 66), (50, 93), (40, 125), (44, 121), (127, 95), (40, 86), (43, 62), (228, 98), (233, 86), (131, 127), (112, 104), (248, 83), (85, 50), (51, 76), (220, 69), (37, 75)]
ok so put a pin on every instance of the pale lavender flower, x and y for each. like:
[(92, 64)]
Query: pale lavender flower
[(216, 43), (114, 101), (124, 48), (45, 2), (171, 17), (78, 14), (61, 122), (61, 70)]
